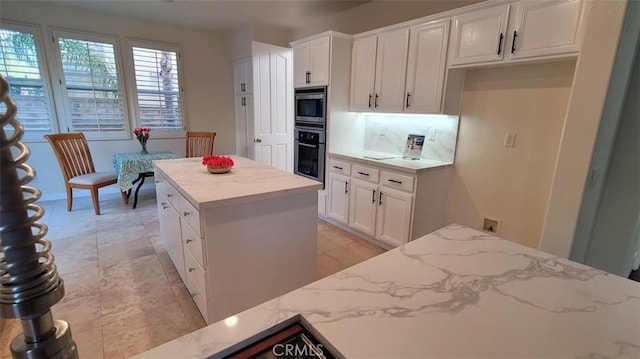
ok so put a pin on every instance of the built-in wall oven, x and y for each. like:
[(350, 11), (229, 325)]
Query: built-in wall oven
[(309, 132)]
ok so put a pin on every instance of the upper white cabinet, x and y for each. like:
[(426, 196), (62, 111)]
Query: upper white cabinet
[(311, 62), (242, 77), (379, 65), (426, 67), (521, 30), (479, 36), (546, 28)]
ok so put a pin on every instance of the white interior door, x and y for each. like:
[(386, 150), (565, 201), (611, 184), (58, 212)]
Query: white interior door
[(273, 115)]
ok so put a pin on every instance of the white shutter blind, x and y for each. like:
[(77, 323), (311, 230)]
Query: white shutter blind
[(94, 96), (157, 88), (20, 65)]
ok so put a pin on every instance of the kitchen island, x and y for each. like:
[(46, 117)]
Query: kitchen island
[(240, 238), (454, 293)]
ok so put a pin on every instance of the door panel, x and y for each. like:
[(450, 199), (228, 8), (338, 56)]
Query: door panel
[(362, 73), (476, 36), (363, 207), (394, 216), (391, 68)]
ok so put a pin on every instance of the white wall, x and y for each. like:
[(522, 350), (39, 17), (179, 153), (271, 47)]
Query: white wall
[(584, 112), (207, 82), (510, 184)]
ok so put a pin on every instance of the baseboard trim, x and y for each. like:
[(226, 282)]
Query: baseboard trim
[(356, 233)]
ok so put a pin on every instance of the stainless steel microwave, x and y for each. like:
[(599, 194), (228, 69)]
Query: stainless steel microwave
[(311, 106)]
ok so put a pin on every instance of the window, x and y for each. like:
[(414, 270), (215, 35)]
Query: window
[(91, 85), (21, 64), (158, 100)]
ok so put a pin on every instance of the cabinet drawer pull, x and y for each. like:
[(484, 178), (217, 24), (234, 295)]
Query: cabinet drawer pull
[(395, 181), (370, 96), (193, 295), (376, 103), (500, 43), (308, 77), (189, 240), (380, 199), (169, 195), (408, 97), (185, 213), (363, 173), (191, 269), (164, 205), (337, 167), (373, 196), (346, 187), (157, 182), (513, 43)]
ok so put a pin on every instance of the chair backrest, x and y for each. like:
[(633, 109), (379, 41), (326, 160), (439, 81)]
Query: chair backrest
[(72, 152), (199, 143)]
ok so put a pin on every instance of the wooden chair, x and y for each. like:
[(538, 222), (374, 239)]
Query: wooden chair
[(200, 144), (74, 158)]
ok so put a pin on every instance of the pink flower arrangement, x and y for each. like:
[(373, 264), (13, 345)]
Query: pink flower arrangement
[(142, 134), (216, 161)]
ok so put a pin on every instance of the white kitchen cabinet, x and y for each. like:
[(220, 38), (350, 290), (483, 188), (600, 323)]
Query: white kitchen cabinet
[(242, 77), (244, 124), (479, 36), (379, 85), (394, 216), (545, 28), (363, 200), (169, 219), (311, 62), (426, 65), (522, 30), (387, 206), (338, 196)]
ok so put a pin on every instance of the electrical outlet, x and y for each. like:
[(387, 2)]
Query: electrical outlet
[(509, 139), (490, 225), (432, 134)]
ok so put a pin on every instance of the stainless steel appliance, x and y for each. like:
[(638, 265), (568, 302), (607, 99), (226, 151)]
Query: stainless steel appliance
[(309, 141), (309, 153), (311, 107)]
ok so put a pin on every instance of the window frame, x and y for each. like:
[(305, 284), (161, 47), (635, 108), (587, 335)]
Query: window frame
[(64, 103), (133, 90), (45, 75)]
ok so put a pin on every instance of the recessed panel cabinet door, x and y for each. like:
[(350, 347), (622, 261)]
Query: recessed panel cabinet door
[(391, 68), (479, 36), (301, 55), (363, 203), (338, 198), (170, 234), (394, 216), (426, 67), (363, 69), (546, 28), (319, 62)]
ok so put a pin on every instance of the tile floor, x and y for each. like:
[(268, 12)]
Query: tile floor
[(116, 275)]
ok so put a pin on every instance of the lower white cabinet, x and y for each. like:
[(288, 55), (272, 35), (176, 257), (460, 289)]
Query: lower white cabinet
[(170, 228), (388, 206)]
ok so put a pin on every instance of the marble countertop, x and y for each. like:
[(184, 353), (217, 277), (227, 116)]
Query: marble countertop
[(248, 181), (454, 293), (395, 163)]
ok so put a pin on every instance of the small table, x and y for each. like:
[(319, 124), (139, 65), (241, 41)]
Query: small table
[(126, 164)]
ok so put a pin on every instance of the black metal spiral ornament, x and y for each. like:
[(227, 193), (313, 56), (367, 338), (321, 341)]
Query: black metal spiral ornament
[(29, 281)]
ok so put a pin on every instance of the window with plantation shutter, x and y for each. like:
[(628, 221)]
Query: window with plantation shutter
[(21, 64), (92, 85), (157, 80)]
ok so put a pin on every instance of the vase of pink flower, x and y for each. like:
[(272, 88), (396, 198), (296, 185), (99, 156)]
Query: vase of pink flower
[(218, 164), (142, 135)]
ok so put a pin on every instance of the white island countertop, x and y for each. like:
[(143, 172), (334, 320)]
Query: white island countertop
[(455, 293), (248, 181), (390, 161)]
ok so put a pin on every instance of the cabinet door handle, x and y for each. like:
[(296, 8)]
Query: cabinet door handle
[(346, 187), (193, 295), (370, 100), (191, 269), (380, 199), (373, 196), (244, 101), (169, 195), (376, 103), (500, 43), (164, 205), (308, 77), (363, 173), (189, 240), (513, 43), (395, 181), (408, 97), (337, 167), (185, 213), (242, 87)]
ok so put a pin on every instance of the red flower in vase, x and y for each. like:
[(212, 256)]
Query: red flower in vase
[(216, 161)]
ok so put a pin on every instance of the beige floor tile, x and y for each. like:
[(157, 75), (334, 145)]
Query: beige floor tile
[(352, 254), (81, 283), (82, 313), (121, 235), (118, 253), (131, 272), (328, 266), (9, 328), (119, 303), (89, 342)]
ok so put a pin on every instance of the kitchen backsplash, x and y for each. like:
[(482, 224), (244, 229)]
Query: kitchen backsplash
[(388, 133)]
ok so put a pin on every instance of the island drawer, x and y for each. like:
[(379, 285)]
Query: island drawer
[(191, 215), (365, 173), (395, 180), (194, 269), (171, 193), (199, 294), (340, 167), (195, 244)]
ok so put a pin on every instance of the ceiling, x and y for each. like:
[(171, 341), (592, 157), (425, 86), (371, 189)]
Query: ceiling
[(218, 15)]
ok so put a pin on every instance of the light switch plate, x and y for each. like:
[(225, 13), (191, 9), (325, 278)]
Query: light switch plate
[(509, 139)]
